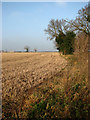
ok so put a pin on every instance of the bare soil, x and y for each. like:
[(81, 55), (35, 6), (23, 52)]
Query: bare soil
[(22, 71)]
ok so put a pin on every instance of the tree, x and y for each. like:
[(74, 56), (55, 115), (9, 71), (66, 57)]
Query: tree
[(81, 43), (59, 31), (55, 27), (69, 42), (27, 48), (65, 42), (81, 23), (35, 50), (60, 41)]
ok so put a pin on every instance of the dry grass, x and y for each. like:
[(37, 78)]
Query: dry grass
[(64, 97)]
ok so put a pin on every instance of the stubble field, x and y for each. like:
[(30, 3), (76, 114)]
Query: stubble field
[(23, 71)]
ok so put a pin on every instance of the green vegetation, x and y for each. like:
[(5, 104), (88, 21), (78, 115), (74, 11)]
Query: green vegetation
[(66, 42)]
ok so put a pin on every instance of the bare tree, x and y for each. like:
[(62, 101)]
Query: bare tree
[(55, 27), (81, 43), (81, 23)]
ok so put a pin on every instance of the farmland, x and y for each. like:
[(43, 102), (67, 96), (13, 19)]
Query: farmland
[(22, 71), (44, 85)]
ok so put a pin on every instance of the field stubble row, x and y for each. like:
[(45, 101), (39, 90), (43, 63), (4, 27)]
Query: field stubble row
[(22, 71)]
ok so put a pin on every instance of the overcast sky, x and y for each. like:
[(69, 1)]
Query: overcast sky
[(23, 23)]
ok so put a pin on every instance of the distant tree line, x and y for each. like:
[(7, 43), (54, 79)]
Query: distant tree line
[(65, 31), (27, 48)]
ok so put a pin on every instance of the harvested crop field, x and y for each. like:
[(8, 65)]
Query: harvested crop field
[(23, 71)]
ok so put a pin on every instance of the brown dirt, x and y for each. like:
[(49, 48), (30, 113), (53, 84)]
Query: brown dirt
[(22, 71)]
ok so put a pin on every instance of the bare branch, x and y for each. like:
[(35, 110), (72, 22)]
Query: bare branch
[(55, 27)]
